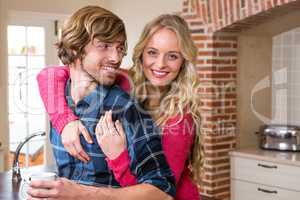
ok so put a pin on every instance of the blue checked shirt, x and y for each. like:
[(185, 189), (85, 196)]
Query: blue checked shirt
[(148, 162)]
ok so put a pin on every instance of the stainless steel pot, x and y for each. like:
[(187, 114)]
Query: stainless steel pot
[(280, 137)]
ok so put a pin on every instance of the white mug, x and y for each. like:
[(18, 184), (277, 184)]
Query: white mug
[(34, 176)]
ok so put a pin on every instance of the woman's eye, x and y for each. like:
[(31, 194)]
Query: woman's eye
[(172, 57)]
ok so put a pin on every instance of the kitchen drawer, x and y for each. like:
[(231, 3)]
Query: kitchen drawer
[(241, 190), (266, 173)]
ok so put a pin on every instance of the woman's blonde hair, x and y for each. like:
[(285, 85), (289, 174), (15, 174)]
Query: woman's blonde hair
[(182, 94), (83, 26)]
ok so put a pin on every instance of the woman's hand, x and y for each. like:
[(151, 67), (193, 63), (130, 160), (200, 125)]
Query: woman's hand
[(71, 140), (110, 136)]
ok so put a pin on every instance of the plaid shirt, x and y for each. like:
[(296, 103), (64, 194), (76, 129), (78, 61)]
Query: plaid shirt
[(148, 162)]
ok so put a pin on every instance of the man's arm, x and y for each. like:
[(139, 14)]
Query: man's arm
[(64, 189), (136, 192)]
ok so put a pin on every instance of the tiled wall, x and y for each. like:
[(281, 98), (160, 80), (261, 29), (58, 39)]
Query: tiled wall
[(286, 82), (215, 25)]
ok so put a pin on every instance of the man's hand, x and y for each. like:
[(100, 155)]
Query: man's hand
[(71, 140), (61, 189)]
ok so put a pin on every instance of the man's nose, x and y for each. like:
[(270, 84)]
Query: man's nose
[(115, 56)]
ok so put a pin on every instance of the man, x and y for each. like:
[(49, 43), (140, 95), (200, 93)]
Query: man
[(93, 44)]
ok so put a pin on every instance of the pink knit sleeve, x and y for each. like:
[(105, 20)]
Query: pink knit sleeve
[(51, 82), (178, 137), (121, 169)]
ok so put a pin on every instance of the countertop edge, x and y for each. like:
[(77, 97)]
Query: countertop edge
[(288, 158)]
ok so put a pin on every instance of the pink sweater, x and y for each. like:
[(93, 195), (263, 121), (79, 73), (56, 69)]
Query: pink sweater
[(177, 139)]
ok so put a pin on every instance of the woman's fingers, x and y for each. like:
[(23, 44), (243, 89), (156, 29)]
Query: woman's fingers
[(98, 127), (109, 136), (120, 129), (110, 124), (104, 125), (99, 131)]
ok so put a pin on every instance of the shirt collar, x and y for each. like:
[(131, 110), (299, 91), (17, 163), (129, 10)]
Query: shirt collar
[(99, 93)]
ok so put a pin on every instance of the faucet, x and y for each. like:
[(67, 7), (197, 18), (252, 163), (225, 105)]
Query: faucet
[(16, 173)]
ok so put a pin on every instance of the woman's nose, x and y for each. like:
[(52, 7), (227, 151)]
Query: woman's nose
[(160, 61)]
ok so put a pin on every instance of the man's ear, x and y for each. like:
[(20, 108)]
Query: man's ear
[(77, 63)]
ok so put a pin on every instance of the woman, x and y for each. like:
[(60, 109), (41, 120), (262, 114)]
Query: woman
[(166, 84)]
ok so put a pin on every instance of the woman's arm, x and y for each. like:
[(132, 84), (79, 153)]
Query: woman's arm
[(52, 82), (112, 140), (121, 169), (178, 137)]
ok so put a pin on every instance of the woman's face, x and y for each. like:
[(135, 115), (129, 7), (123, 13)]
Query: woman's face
[(162, 58)]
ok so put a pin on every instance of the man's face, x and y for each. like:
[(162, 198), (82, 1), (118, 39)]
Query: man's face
[(102, 60)]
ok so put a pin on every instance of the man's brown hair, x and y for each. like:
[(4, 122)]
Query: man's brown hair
[(85, 25)]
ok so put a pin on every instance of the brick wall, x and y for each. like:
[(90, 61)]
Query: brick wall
[(215, 25)]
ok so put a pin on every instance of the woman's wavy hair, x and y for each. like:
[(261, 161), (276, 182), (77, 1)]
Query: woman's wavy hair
[(182, 94), (85, 25)]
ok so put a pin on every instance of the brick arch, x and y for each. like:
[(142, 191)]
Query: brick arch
[(214, 26), (211, 16)]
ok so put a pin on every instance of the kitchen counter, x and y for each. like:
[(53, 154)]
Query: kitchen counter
[(10, 190), (281, 157), (264, 174)]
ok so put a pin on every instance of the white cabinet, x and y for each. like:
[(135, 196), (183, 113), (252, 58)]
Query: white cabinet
[(243, 190), (263, 175)]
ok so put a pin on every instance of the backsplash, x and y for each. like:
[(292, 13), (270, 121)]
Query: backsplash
[(286, 82)]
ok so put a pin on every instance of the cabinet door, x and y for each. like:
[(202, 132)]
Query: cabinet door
[(266, 173), (241, 190)]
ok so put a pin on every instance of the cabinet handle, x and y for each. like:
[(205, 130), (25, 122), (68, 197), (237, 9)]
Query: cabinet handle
[(267, 191), (267, 166)]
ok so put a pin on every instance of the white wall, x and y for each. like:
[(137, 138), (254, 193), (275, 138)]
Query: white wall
[(51, 6), (136, 13)]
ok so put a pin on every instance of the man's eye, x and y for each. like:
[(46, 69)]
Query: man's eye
[(103, 45), (121, 49)]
